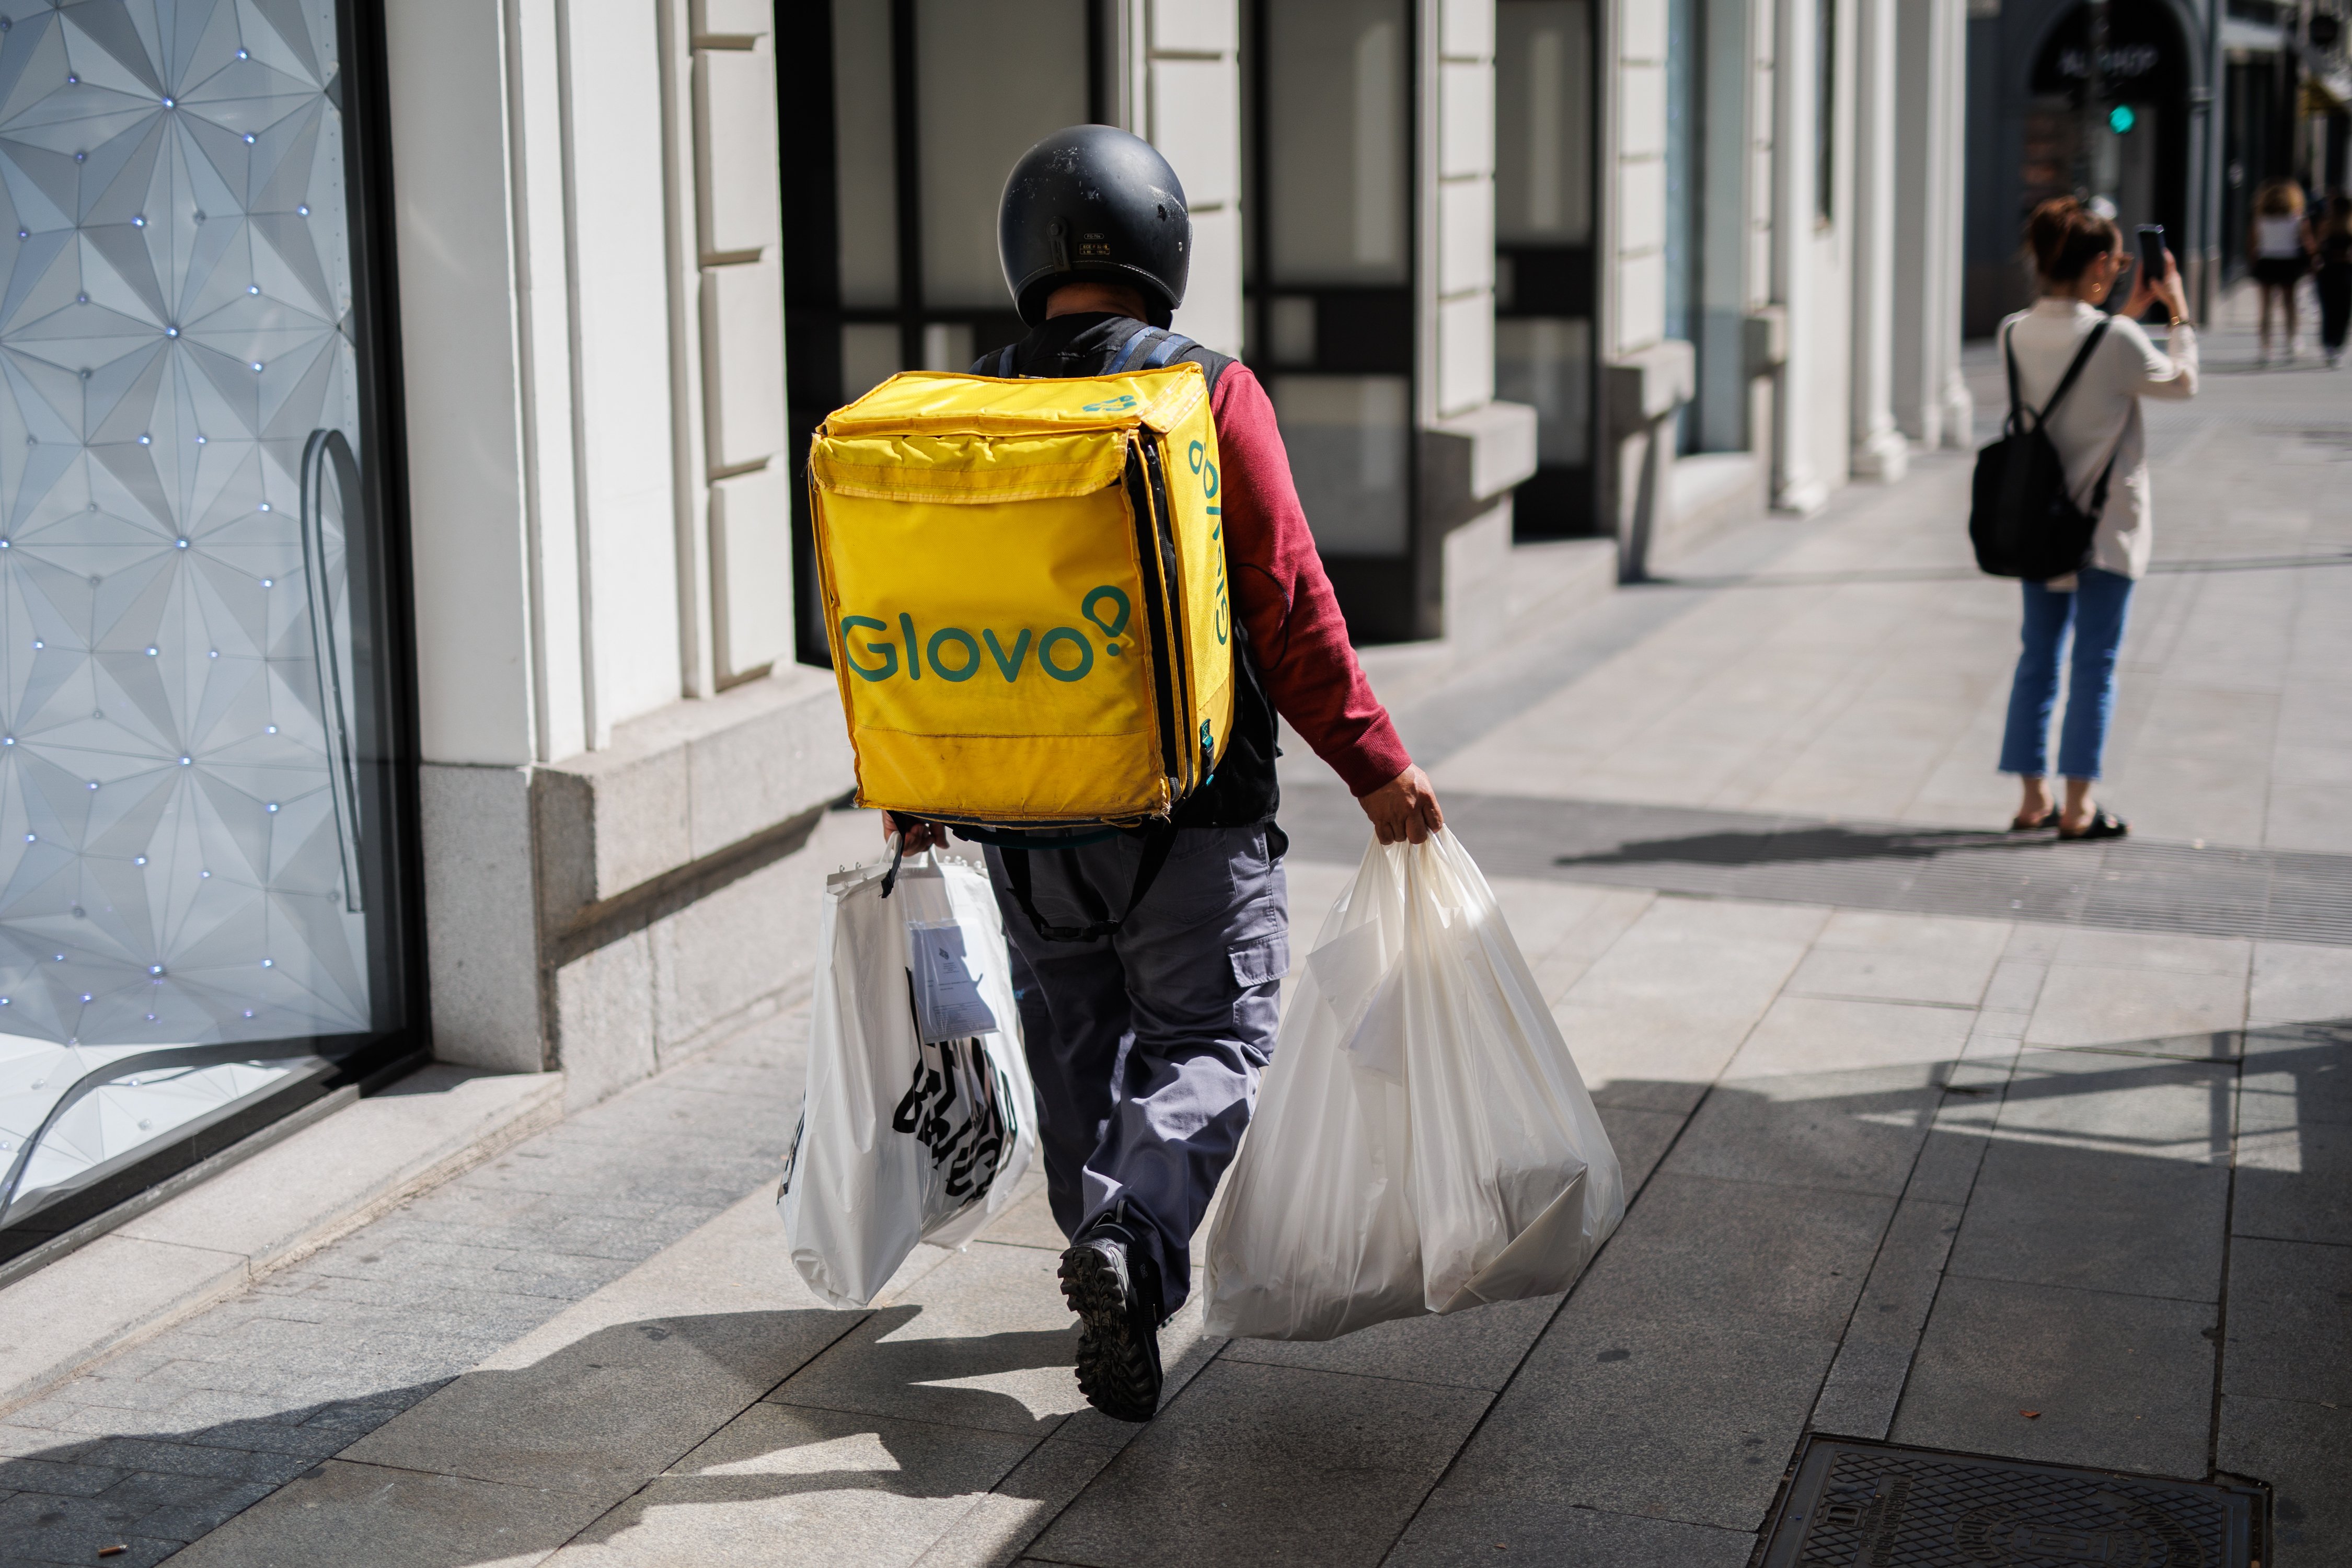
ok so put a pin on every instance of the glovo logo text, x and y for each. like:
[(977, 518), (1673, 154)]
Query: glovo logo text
[(953, 654), (1197, 459)]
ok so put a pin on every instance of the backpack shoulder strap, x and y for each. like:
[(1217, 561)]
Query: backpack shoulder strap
[(2082, 358), (2016, 400), (1137, 343), (997, 362), (1165, 352)]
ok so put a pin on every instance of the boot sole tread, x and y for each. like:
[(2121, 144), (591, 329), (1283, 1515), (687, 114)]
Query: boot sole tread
[(1114, 1372)]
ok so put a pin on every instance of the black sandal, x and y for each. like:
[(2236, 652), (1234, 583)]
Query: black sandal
[(2104, 824), (2049, 819)]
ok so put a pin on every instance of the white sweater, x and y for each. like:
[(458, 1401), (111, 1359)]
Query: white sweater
[(2101, 413)]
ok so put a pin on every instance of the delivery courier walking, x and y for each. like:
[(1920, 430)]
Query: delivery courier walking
[(1067, 594)]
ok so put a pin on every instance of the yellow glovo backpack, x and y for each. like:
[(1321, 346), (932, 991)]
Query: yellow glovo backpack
[(1024, 589)]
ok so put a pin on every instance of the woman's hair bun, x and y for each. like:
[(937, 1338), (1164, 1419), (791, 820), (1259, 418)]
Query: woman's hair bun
[(2066, 235)]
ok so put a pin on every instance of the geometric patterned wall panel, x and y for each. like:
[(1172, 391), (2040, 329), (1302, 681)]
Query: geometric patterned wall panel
[(176, 323), (173, 325)]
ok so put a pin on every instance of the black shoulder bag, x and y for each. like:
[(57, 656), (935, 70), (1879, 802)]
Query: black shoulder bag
[(2022, 521)]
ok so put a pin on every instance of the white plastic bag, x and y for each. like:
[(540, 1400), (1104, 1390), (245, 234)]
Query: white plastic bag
[(903, 1138), (1423, 1141)]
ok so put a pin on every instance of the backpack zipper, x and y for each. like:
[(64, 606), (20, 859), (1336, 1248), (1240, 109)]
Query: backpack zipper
[(1139, 488), (1163, 511)]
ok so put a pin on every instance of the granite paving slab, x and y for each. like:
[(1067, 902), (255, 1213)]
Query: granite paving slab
[(828, 1485), (1586, 1423), (2124, 1381), (1556, 1535), (1269, 1464)]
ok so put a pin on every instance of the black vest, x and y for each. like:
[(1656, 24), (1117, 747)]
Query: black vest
[(1243, 791)]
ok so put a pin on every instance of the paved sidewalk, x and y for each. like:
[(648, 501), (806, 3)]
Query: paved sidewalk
[(2067, 1181)]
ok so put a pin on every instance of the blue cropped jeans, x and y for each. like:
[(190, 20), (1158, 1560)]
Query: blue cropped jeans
[(2094, 613)]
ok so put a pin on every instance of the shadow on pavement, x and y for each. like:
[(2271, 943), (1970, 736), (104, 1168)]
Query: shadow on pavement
[(1817, 843), (582, 1429), (2201, 1178)]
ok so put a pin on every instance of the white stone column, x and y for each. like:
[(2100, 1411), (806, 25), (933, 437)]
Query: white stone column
[(478, 211), (732, 485), (1458, 218), (1189, 67), (1797, 485), (1950, 66), (1880, 451), (1646, 377), (1931, 401)]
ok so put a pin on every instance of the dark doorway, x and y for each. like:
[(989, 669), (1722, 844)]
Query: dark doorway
[(2139, 151), (1544, 235)]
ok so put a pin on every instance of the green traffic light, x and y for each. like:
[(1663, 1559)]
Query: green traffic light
[(2120, 118)]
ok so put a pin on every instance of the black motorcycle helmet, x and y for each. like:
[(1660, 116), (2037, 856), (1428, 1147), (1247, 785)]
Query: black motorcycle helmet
[(1093, 201)]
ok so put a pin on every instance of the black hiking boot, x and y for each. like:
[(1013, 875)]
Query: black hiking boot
[(1114, 1288)]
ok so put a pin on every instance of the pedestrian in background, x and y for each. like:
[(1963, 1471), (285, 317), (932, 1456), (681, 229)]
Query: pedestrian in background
[(2079, 253), (2280, 243), (2334, 278)]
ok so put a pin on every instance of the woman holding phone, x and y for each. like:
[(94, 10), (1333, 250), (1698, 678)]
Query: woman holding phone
[(2097, 431)]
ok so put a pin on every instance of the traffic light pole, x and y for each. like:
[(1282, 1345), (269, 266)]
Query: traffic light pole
[(2091, 173)]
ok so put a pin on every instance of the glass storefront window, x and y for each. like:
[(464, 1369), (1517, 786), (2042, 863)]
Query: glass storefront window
[(1543, 167), (1337, 117), (976, 123), (1545, 362), (1349, 438), (198, 904), (1685, 79), (866, 182)]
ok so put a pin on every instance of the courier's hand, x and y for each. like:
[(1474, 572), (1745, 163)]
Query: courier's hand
[(1404, 807), (920, 835)]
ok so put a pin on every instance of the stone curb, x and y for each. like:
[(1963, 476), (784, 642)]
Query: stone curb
[(262, 1213)]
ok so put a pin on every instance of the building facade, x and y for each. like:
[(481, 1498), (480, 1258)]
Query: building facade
[(528, 309)]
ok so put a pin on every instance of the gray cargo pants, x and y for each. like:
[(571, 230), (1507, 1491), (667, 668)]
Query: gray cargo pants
[(1146, 1044)]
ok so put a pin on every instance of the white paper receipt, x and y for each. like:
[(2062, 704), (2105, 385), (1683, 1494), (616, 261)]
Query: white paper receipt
[(948, 1002)]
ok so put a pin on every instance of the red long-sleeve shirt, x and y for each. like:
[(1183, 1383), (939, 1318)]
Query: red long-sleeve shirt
[(1296, 633)]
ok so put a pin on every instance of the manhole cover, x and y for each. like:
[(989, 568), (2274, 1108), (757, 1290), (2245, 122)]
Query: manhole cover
[(1877, 1505)]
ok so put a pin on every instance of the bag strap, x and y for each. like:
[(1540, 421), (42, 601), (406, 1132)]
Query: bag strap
[(1157, 840), (1135, 344), (1171, 345), (2016, 399), (2081, 357)]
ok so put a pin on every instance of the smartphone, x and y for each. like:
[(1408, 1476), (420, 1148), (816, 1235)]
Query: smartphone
[(2151, 252)]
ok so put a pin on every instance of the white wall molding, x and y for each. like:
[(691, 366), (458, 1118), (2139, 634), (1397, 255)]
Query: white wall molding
[(1185, 63), (462, 363)]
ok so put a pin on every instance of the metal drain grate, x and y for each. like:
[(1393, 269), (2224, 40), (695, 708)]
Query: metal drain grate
[(2131, 884), (1879, 1505)]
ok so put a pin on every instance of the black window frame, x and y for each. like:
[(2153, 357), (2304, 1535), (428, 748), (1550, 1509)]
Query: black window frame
[(814, 312), (1359, 330), (1562, 501)]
